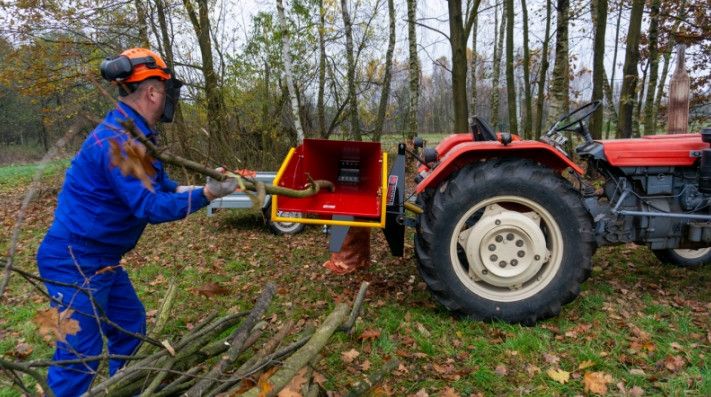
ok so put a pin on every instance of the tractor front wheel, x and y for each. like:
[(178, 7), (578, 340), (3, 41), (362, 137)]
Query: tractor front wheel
[(505, 239)]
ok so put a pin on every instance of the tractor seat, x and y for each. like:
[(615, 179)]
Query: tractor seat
[(481, 130)]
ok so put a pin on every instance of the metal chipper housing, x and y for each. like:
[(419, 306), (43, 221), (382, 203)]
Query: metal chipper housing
[(364, 196)]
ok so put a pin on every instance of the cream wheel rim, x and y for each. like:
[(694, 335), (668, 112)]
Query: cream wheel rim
[(510, 254), (692, 254)]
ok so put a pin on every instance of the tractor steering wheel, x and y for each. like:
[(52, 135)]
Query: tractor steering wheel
[(577, 116)]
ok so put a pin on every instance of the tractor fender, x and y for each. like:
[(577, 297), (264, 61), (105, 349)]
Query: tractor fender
[(466, 153)]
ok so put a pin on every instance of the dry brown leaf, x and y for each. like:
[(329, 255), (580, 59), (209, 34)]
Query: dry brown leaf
[(420, 393), (369, 334), (365, 365), (559, 375), (349, 356), (596, 382), (22, 350), (319, 379), (133, 159), (674, 363), (586, 364), (211, 289), (636, 391), (551, 358), (293, 389), (52, 323), (382, 391), (531, 369), (421, 329), (501, 370), (448, 392)]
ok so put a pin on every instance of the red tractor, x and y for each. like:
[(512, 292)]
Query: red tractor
[(507, 227)]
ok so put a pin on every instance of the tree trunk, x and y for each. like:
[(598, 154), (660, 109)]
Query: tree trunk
[(528, 105), (614, 68), (215, 116), (385, 92), (678, 112), (510, 82), (286, 58), (458, 43), (498, 48), (352, 99), (629, 83), (472, 69), (321, 71), (142, 21), (544, 71), (599, 14), (560, 84), (649, 104), (637, 119), (414, 66)]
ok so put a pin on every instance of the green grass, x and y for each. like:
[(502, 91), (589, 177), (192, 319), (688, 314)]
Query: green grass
[(629, 290), (14, 176)]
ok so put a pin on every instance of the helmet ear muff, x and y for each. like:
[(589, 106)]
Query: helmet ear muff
[(117, 68)]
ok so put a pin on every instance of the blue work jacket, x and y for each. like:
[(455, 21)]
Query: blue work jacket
[(102, 213)]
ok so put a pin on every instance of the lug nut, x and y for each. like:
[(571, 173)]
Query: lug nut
[(514, 262), (519, 243), (537, 257), (510, 236), (494, 258), (521, 254), (492, 247), (484, 271), (502, 264), (497, 222), (499, 239)]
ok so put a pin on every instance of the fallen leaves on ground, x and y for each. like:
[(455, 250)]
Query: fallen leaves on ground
[(22, 350), (349, 356), (293, 389), (448, 392), (596, 382), (210, 289), (369, 334), (559, 375), (54, 325)]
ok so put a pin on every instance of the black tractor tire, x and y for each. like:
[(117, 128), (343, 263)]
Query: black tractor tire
[(283, 228), (683, 257), (498, 197)]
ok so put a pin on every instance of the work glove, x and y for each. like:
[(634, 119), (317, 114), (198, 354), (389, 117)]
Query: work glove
[(216, 189)]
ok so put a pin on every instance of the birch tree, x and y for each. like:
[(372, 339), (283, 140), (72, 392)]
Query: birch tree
[(414, 69), (527, 121), (350, 72), (385, 92), (510, 82), (540, 92), (498, 48), (286, 58)]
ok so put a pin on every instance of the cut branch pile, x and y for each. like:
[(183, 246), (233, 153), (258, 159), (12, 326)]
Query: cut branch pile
[(205, 362)]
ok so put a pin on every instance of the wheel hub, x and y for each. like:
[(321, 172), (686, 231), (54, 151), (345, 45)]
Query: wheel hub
[(505, 248)]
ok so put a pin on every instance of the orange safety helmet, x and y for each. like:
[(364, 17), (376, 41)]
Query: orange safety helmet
[(135, 65)]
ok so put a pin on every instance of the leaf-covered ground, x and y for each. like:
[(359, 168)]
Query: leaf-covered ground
[(639, 327)]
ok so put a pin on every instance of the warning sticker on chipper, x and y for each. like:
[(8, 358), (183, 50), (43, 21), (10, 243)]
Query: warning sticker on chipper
[(392, 187)]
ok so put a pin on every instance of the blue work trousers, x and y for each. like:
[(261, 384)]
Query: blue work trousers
[(112, 293)]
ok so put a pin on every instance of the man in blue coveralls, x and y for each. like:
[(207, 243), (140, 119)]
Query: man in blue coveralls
[(100, 216)]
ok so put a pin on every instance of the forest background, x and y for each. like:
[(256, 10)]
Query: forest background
[(360, 69)]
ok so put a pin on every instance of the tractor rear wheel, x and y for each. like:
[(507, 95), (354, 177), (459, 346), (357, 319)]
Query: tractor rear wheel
[(505, 239), (684, 257)]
